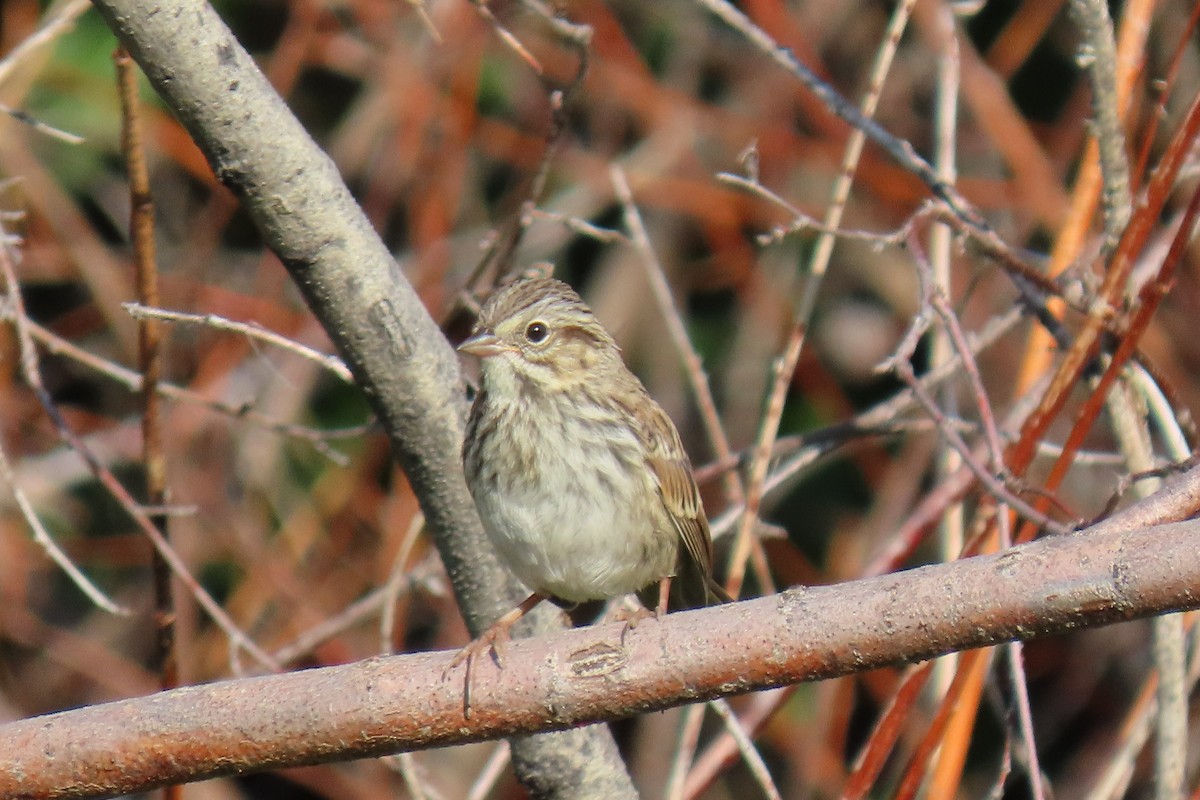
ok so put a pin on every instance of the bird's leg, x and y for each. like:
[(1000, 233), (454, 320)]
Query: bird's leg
[(632, 618), (495, 639), (664, 593)]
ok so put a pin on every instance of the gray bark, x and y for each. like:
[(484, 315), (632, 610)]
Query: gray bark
[(410, 374)]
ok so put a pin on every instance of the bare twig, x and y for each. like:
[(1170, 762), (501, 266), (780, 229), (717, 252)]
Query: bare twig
[(883, 414), (1171, 730), (903, 369), (508, 37), (900, 363), (44, 36), (418, 7), (697, 377), (1099, 55), (870, 760), (579, 226), (899, 149), (504, 242), (802, 314), (1070, 241), (41, 127), (399, 578), (141, 229), (485, 781), (720, 753), (133, 381), (51, 548), (679, 337), (685, 751), (753, 759), (1025, 277), (411, 773), (425, 576), (1086, 345), (941, 241), (251, 330)]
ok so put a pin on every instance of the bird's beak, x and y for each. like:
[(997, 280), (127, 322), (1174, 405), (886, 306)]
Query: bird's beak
[(482, 345)]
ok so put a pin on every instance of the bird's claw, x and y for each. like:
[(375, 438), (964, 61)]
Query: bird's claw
[(494, 639), (631, 618)]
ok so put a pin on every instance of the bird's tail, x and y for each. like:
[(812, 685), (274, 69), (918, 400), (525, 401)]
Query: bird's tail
[(694, 588), (716, 592)]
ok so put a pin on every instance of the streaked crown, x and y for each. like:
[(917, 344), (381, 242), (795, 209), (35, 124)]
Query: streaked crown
[(536, 334)]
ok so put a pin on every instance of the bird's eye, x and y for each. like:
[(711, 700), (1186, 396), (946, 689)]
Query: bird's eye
[(537, 332)]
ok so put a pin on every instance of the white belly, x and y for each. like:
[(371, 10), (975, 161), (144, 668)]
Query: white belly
[(583, 544)]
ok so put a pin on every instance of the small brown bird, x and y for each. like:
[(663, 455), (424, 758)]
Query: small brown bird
[(580, 478)]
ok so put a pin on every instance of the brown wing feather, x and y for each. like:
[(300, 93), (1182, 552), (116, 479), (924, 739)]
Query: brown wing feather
[(669, 465)]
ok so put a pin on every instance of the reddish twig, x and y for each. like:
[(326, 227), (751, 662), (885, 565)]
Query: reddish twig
[(1149, 299), (154, 460), (1087, 343), (886, 732)]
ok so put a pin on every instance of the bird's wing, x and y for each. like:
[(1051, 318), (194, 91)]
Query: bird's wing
[(669, 465)]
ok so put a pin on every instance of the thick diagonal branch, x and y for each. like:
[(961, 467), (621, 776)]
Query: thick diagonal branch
[(307, 216)]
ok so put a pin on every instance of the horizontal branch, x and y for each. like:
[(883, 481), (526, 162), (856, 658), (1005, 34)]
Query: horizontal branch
[(385, 705)]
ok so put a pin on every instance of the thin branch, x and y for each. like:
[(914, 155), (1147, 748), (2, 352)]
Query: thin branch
[(154, 460), (399, 579), (508, 37), (934, 297), (692, 364), (411, 773), (870, 760), (899, 149), (685, 751), (759, 709), (785, 365), (754, 760), (504, 242), (44, 36), (1087, 343), (1099, 55), (418, 7), (51, 548), (131, 380), (814, 446), (900, 363), (967, 679), (251, 330), (579, 226), (41, 127), (1169, 649), (424, 576), (942, 30), (697, 377), (486, 780)]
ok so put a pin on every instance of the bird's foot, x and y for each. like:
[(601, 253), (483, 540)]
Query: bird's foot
[(495, 639)]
